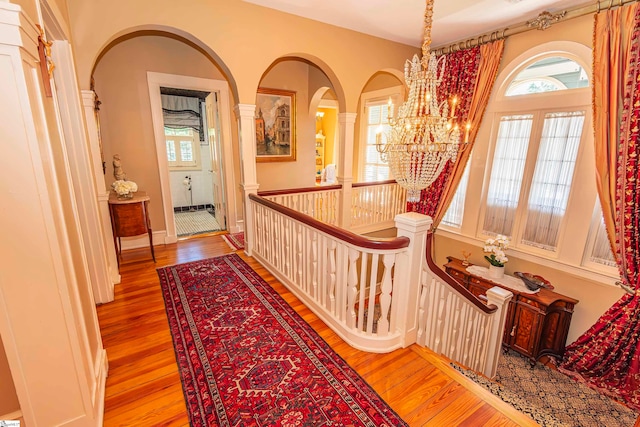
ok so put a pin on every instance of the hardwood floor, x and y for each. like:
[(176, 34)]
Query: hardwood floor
[(144, 389)]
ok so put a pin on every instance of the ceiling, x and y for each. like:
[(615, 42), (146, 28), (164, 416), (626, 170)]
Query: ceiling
[(402, 20)]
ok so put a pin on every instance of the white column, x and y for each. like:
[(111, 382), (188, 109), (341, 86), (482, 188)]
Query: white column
[(245, 114), (101, 192), (48, 320), (75, 141), (345, 166), (500, 298), (408, 270)]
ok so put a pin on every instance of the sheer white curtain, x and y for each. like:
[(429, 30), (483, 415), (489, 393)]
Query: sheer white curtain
[(551, 184), (506, 173), (455, 212)]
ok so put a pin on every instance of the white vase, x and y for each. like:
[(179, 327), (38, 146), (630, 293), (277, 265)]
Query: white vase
[(496, 272)]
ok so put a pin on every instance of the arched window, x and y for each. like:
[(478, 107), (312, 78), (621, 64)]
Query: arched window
[(532, 176)]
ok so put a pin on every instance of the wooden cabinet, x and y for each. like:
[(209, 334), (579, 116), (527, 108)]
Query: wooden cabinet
[(130, 217), (319, 153), (536, 324)]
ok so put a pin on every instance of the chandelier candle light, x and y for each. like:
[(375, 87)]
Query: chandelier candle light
[(425, 134)]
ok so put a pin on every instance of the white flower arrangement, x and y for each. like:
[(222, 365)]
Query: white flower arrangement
[(497, 247), (124, 188)]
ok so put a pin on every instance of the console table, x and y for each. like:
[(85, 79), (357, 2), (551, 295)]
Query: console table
[(130, 217), (537, 324)]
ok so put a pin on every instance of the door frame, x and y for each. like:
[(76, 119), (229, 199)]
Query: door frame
[(155, 81)]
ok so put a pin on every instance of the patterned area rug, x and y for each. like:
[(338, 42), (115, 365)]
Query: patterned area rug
[(234, 240), (550, 397), (197, 222), (246, 358)]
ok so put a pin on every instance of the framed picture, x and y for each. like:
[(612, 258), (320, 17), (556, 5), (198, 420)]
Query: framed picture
[(275, 125)]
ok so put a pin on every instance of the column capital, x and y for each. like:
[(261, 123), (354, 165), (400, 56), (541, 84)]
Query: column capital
[(245, 110), (347, 117)]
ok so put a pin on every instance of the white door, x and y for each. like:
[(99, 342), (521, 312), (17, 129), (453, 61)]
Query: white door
[(215, 144)]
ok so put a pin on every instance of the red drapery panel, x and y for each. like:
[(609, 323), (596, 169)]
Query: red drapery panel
[(607, 356), (469, 74)]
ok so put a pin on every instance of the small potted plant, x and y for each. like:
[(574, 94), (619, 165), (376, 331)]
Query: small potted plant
[(498, 258)]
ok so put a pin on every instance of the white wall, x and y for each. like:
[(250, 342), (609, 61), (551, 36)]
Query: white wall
[(201, 182)]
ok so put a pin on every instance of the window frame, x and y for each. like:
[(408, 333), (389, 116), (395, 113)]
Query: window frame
[(367, 98), (179, 164)]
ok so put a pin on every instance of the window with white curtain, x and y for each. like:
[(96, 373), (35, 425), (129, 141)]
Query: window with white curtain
[(455, 212), (598, 250), (533, 173), (549, 194), (536, 145), (374, 124), (505, 183)]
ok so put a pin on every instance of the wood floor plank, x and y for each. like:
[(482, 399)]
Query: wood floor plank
[(144, 388)]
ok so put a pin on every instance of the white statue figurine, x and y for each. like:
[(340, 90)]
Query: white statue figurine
[(118, 173)]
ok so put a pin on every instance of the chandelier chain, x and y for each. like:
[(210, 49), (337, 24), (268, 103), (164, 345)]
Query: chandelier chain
[(428, 22), (425, 134)]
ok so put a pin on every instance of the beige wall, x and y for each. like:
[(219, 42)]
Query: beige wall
[(245, 38), (292, 75), (125, 113)]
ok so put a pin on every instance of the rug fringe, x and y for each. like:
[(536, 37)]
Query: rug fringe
[(226, 240)]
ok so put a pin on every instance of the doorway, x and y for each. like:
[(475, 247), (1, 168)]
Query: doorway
[(195, 187), (191, 125)]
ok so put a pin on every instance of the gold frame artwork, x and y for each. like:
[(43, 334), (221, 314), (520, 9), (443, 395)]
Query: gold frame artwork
[(275, 125)]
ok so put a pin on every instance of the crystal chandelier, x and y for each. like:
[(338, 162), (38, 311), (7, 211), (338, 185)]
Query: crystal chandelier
[(425, 134)]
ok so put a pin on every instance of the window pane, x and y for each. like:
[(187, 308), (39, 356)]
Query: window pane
[(601, 252), (178, 132), (549, 75), (453, 216), (374, 169), (171, 150), (552, 178), (506, 173), (186, 151), (601, 249)]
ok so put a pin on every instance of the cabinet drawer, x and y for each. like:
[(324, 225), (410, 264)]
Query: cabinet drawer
[(478, 290), (459, 276), (531, 303), (479, 283)]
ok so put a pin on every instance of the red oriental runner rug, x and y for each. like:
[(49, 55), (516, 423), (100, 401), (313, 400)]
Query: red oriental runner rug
[(234, 240), (246, 358)]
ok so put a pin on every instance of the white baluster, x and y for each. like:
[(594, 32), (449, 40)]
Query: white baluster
[(352, 287), (332, 276)]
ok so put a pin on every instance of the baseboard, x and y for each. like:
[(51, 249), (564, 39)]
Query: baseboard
[(11, 415), (238, 228), (142, 241), (99, 396)]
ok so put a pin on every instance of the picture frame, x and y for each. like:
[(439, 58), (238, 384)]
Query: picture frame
[(275, 125)]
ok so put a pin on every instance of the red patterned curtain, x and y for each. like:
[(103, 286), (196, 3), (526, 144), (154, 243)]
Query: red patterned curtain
[(469, 74), (607, 356)]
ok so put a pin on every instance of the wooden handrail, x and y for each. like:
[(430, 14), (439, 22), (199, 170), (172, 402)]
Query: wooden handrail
[(371, 184), (298, 190), (347, 236), (490, 308)]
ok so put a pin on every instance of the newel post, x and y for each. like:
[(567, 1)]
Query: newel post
[(500, 298), (408, 272)]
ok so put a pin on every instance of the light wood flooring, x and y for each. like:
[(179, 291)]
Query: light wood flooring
[(144, 389)]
